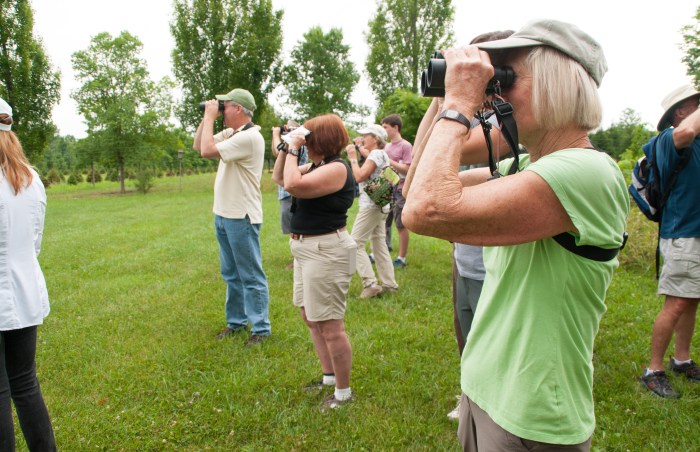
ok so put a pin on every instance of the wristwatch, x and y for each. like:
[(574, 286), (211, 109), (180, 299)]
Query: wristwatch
[(294, 152), (454, 115)]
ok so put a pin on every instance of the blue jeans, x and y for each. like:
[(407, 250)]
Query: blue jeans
[(247, 295), (18, 382)]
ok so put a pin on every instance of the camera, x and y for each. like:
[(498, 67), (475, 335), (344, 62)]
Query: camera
[(221, 106), (432, 83)]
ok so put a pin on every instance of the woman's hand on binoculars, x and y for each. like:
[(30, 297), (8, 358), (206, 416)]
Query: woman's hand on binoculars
[(469, 70)]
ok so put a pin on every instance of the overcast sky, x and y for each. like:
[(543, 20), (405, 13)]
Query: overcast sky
[(640, 39)]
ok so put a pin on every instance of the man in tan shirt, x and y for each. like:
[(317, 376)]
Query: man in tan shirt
[(238, 210)]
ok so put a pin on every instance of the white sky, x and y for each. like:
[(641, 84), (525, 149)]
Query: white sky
[(640, 38)]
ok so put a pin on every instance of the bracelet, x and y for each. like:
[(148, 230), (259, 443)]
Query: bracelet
[(353, 161), (294, 152), (455, 116)]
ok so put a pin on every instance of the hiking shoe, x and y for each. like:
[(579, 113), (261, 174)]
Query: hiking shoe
[(691, 370), (657, 383), (255, 340), (313, 386), (454, 414), (398, 263), (371, 291), (389, 288), (226, 332), (331, 403)]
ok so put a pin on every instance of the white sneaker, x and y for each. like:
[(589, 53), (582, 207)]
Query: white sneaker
[(454, 414)]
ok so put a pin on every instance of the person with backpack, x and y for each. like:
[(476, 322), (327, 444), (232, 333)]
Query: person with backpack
[(678, 140)]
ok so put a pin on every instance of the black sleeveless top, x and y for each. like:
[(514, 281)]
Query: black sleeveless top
[(327, 213)]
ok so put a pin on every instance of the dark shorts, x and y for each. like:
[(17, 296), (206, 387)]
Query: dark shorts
[(286, 215), (398, 202)]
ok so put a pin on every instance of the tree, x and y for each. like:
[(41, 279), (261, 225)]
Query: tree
[(691, 47), (221, 45), (123, 108), (410, 105), (321, 77), (621, 135), (402, 35), (27, 81)]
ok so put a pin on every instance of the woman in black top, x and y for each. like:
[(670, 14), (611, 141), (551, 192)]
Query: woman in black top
[(324, 253)]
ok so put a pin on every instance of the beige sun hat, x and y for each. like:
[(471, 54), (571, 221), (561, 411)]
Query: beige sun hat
[(374, 129), (670, 103)]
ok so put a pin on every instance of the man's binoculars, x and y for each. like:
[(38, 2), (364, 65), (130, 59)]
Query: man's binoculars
[(432, 83), (221, 106)]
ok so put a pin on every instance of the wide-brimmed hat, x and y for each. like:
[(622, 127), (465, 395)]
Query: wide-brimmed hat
[(6, 110), (241, 97), (670, 103), (566, 38), (374, 129)]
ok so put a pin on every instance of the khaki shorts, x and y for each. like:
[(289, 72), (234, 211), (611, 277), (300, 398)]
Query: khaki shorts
[(680, 274), (323, 267)]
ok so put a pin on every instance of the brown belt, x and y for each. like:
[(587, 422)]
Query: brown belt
[(295, 236)]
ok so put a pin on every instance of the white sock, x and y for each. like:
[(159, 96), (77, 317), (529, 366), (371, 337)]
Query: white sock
[(343, 394), (649, 371), (402, 259), (328, 380), (676, 362)]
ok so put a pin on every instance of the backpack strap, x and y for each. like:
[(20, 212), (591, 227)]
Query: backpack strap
[(595, 253), (684, 158)]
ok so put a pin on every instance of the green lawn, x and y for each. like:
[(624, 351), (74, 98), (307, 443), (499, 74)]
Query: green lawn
[(128, 361)]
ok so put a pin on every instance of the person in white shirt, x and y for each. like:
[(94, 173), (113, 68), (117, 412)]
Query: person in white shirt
[(240, 149), (24, 300)]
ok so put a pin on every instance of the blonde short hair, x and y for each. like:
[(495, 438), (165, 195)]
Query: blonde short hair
[(563, 92)]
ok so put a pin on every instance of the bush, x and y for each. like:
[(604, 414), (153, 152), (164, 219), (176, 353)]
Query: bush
[(143, 180), (75, 178), (54, 176), (98, 176), (113, 175)]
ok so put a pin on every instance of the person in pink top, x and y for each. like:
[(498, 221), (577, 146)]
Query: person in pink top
[(399, 151)]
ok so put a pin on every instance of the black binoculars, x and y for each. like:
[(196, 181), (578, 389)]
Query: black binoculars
[(221, 106), (432, 83)]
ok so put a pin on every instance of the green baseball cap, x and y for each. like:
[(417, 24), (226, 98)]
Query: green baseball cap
[(239, 96), (566, 38)]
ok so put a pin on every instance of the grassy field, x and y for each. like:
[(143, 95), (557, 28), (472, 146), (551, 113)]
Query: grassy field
[(128, 361)]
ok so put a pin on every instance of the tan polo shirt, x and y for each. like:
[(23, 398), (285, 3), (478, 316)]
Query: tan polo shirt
[(237, 185)]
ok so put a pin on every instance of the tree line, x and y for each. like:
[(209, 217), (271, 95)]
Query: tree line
[(221, 44)]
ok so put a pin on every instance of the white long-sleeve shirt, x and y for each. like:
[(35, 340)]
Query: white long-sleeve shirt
[(24, 300)]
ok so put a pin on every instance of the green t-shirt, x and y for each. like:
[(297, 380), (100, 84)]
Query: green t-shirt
[(528, 358)]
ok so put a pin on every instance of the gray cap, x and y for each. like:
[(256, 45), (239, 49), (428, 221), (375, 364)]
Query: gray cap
[(566, 38), (241, 97)]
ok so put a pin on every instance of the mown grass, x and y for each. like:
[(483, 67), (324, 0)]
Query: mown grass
[(128, 361)]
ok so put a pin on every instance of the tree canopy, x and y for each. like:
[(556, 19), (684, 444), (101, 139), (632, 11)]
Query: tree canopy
[(321, 77), (27, 80), (691, 47), (126, 113), (401, 37), (221, 45)]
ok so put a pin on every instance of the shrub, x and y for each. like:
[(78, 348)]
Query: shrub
[(54, 176), (113, 175), (98, 176), (143, 180), (75, 178)]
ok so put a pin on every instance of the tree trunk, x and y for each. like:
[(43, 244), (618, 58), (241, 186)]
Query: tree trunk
[(121, 177)]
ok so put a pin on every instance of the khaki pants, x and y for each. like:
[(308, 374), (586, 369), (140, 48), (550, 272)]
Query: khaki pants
[(370, 225), (478, 432)]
